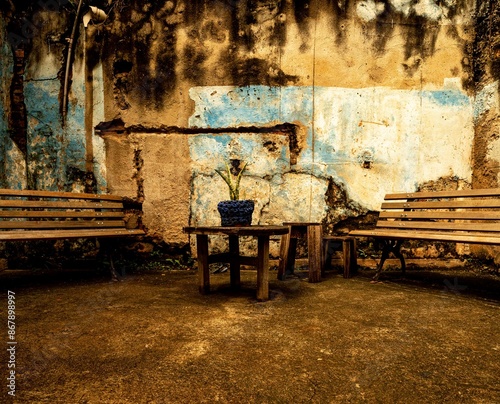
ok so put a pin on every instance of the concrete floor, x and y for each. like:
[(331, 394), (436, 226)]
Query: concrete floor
[(428, 337)]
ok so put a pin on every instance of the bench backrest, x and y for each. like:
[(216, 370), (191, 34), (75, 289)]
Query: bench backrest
[(473, 210), (45, 210)]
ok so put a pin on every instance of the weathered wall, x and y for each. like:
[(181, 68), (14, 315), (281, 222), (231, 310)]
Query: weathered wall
[(157, 52), (371, 140), (486, 113), (378, 97), (43, 150), (154, 169), (7, 154), (486, 148)]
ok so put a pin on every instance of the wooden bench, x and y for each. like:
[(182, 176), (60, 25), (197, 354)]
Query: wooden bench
[(45, 215), (469, 216)]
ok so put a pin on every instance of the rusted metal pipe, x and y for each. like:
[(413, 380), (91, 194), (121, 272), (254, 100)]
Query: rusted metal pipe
[(68, 62)]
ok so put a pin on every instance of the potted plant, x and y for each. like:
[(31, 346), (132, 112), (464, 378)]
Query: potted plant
[(234, 212)]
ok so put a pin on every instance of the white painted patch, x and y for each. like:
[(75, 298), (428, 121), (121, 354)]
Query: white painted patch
[(428, 9), (487, 99), (369, 10), (402, 6)]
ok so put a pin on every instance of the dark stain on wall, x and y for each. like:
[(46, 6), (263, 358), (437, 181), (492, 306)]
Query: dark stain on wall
[(339, 10), (140, 36), (18, 122), (420, 32), (93, 52), (495, 62), (269, 17), (486, 59), (145, 34), (193, 59), (45, 157), (340, 209), (257, 71), (302, 13), (138, 164), (121, 71), (294, 142), (271, 146), (487, 42), (20, 33), (75, 175)]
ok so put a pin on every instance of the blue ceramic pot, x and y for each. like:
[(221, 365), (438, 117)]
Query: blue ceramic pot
[(236, 213)]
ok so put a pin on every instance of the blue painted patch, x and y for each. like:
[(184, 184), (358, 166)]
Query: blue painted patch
[(447, 98), (214, 150), (52, 148), (296, 104), (255, 105)]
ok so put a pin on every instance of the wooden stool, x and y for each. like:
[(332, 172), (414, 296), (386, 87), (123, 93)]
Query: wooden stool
[(288, 249), (349, 257)]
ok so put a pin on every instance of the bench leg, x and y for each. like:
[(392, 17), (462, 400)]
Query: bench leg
[(114, 274), (108, 247), (390, 246), (398, 254)]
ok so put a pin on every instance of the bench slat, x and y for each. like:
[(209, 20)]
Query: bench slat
[(462, 215), (60, 204), (54, 194), (26, 235), (468, 203), (60, 224), (438, 225), (472, 238), (464, 193), (59, 214)]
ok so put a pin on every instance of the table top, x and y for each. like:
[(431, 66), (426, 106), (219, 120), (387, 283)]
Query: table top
[(301, 223), (238, 230)]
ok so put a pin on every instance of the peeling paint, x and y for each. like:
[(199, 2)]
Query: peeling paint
[(369, 10), (410, 142), (448, 98), (359, 81), (430, 10)]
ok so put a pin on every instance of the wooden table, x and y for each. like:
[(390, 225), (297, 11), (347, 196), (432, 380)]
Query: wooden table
[(233, 257)]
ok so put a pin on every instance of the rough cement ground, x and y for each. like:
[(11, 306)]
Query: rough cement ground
[(430, 337)]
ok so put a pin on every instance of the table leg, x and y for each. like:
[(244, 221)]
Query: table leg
[(263, 268), (284, 251), (314, 247), (203, 270), (288, 250), (234, 264)]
